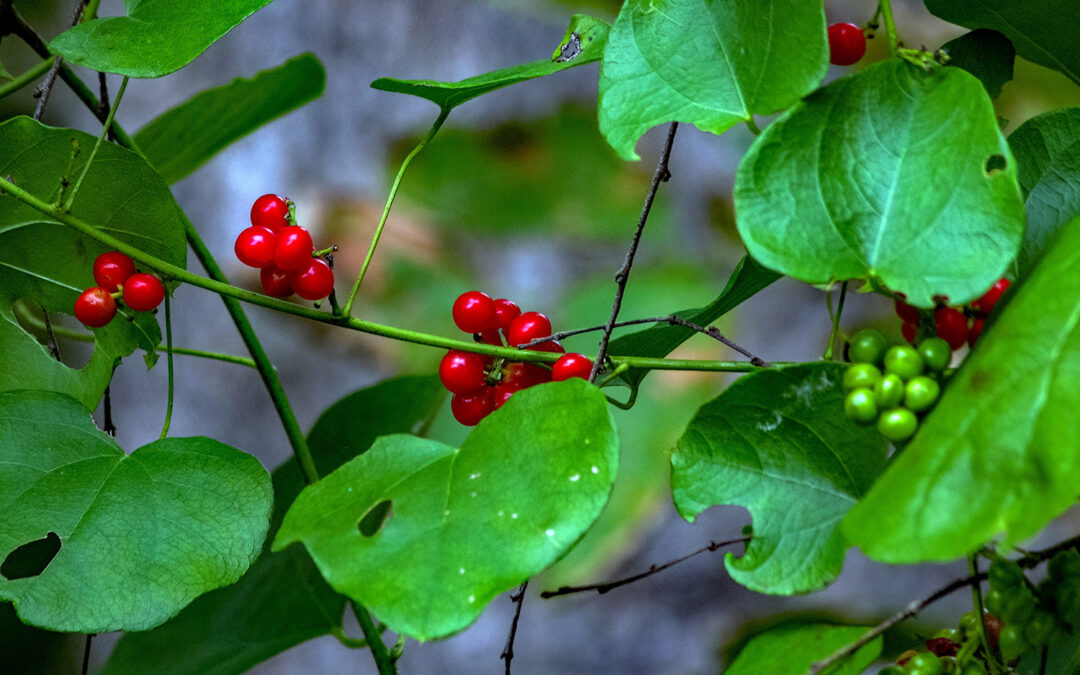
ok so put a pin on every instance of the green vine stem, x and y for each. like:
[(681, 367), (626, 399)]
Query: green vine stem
[(828, 355), (890, 26), (977, 600), (169, 361), (383, 659), (346, 311), (97, 146), (26, 78)]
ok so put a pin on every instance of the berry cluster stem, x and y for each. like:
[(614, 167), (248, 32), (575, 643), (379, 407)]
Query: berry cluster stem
[(885, 7), (169, 361), (93, 153)]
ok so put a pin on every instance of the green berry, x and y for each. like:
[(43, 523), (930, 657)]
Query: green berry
[(861, 375), (973, 668), (994, 601), (903, 360), (936, 353), (920, 393), (950, 633), (1011, 642), (1005, 574), (867, 346), (897, 424), (924, 663), (859, 405), (1039, 628), (889, 391)]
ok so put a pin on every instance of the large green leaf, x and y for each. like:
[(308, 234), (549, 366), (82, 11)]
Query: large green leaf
[(712, 64), (141, 535), (282, 600), (49, 264), (156, 38), (777, 442), (986, 54), (1043, 31), (893, 174), (583, 43), (792, 649), (182, 139), (1047, 150), (1000, 453), (463, 524)]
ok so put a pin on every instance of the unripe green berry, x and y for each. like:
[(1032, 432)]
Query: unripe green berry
[(936, 354), (889, 391), (867, 346), (859, 405), (920, 393), (903, 360), (861, 375), (897, 424)]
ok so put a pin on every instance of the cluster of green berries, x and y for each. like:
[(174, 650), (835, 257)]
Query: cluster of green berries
[(892, 386), (480, 384), (283, 252), (117, 279), (955, 325), (950, 651), (1034, 616)]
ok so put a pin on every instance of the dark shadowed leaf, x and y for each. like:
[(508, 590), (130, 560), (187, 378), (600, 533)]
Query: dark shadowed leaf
[(986, 54)]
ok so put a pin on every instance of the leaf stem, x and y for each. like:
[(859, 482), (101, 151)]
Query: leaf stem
[(90, 160), (346, 311), (976, 596), (752, 126), (169, 361), (26, 78), (828, 355), (885, 6), (379, 652)]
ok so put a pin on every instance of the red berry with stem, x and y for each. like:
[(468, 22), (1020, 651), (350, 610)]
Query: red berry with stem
[(527, 327), (95, 307), (469, 409), (847, 44), (271, 212), (293, 248), (986, 302), (255, 247), (474, 312), (906, 312), (571, 365), (505, 313), (462, 372), (275, 282), (951, 325), (111, 269), (314, 282), (143, 292)]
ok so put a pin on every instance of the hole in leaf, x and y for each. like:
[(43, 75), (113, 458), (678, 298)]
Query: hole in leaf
[(31, 559), (374, 519), (994, 163)]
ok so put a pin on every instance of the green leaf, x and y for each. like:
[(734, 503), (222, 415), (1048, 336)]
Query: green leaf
[(986, 54), (282, 600), (182, 139), (1047, 149), (712, 64), (4, 74), (793, 648), (142, 534), (1000, 453), (583, 43), (49, 264), (464, 524), (155, 39), (777, 442), (884, 175), (745, 281), (1043, 31)]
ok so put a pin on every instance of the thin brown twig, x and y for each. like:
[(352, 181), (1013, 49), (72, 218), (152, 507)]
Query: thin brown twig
[(45, 89), (517, 597), (86, 654), (606, 586)]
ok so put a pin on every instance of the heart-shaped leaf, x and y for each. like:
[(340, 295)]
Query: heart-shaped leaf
[(712, 64), (1000, 453), (986, 54), (895, 174), (777, 442), (140, 536), (792, 649), (425, 535)]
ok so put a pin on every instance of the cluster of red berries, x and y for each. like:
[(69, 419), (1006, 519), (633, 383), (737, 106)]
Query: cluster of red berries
[(283, 252), (480, 383), (954, 325), (847, 44), (116, 278)]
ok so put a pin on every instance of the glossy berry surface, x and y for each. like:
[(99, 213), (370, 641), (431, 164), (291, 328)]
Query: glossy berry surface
[(936, 354), (861, 375), (469, 409), (860, 405), (314, 282), (255, 247), (143, 292), (275, 282), (505, 313), (951, 326), (867, 346), (571, 365), (921, 393), (271, 212), (527, 327), (889, 391), (462, 372), (95, 307), (903, 360), (897, 424), (847, 44), (474, 312), (987, 300), (293, 248), (525, 375), (111, 269)]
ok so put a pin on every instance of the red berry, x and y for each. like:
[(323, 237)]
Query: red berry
[(909, 331), (275, 282), (847, 44), (255, 247), (988, 299), (951, 325), (474, 312), (492, 337), (271, 212), (505, 313), (906, 312), (527, 327), (143, 292), (462, 372), (95, 307), (524, 375), (469, 409), (553, 346), (314, 282), (503, 392), (112, 269), (942, 646), (571, 365), (975, 332), (293, 248)]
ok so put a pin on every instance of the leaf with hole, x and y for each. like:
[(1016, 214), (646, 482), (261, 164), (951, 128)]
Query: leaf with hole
[(141, 535), (986, 54), (894, 174), (778, 443), (462, 524), (999, 454)]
